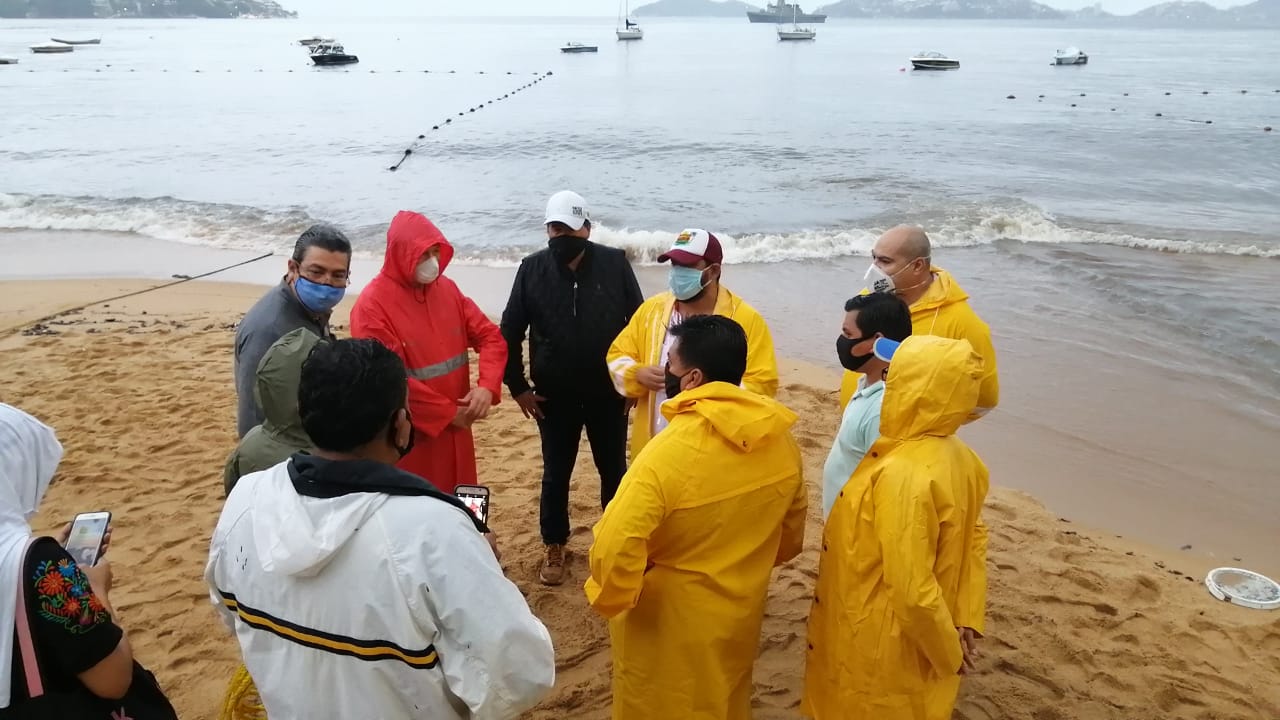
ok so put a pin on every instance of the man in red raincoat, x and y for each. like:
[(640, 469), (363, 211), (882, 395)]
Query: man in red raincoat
[(425, 319)]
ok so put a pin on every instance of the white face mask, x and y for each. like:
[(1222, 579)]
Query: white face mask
[(428, 271), (879, 281)]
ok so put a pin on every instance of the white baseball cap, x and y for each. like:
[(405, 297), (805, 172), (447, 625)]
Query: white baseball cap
[(569, 208)]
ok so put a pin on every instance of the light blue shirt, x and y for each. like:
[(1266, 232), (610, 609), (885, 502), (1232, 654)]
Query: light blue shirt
[(859, 430)]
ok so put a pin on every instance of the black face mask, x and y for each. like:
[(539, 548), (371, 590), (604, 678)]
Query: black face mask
[(844, 348), (566, 248), (672, 382), (403, 451)]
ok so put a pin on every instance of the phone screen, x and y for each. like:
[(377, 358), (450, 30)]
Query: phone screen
[(476, 499), (84, 544)]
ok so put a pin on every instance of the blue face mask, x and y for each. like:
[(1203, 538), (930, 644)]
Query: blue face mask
[(685, 282), (316, 297)]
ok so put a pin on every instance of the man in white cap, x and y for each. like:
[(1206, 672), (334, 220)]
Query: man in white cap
[(572, 298), (638, 357)]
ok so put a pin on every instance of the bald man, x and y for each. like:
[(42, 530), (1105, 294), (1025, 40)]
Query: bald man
[(900, 265)]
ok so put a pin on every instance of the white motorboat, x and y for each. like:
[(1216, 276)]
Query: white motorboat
[(628, 30), (51, 48), (933, 61), (7, 60), (1071, 56), (575, 47), (796, 32), (314, 40)]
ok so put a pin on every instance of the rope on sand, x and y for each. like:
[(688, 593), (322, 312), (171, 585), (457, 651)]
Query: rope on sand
[(181, 279), (449, 120), (242, 701)]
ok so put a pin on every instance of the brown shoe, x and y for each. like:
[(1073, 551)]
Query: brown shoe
[(552, 572)]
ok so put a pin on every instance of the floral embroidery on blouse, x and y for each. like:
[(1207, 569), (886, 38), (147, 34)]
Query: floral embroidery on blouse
[(63, 597)]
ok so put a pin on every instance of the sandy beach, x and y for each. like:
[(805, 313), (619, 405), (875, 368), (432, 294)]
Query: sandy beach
[(1082, 624)]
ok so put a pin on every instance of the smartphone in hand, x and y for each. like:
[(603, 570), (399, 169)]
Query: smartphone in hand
[(88, 533), (476, 498)]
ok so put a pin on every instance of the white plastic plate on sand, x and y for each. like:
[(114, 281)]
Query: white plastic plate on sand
[(1243, 587)]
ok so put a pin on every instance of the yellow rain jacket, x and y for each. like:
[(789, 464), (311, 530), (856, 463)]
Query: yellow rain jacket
[(640, 345), (903, 560), (944, 311), (682, 556)]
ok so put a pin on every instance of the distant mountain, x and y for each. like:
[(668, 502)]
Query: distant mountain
[(1190, 14), (936, 9), (141, 8), (693, 8)]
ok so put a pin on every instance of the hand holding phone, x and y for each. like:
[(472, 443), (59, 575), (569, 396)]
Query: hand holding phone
[(86, 539), (476, 498)]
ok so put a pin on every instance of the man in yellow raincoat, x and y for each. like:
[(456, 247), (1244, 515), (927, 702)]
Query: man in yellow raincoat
[(682, 556), (903, 561), (900, 265), (639, 353)]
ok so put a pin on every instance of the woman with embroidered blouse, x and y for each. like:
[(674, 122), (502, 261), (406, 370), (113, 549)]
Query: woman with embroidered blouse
[(75, 648)]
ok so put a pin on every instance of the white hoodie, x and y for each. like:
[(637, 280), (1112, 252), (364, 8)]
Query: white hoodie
[(372, 606)]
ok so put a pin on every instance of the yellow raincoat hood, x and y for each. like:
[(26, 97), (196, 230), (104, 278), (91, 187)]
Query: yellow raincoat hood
[(931, 389), (743, 418), (683, 554), (903, 561)]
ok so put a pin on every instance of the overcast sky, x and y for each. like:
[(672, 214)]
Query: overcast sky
[(580, 8)]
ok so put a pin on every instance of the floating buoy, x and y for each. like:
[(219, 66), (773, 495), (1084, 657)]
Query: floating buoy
[(435, 127), (1113, 109), (446, 122), (1168, 93), (1041, 96), (1159, 114), (1126, 94), (1081, 94), (1244, 92), (1206, 92), (1266, 129), (421, 137), (1208, 122), (1010, 97), (1073, 104)]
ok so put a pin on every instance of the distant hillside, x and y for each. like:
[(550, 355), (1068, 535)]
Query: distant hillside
[(141, 8), (693, 8), (1190, 14), (942, 9)]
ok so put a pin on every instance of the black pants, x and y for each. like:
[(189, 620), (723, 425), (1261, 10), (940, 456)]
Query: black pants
[(564, 416)]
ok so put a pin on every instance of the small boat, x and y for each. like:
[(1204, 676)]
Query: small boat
[(95, 41), (630, 30), (7, 60), (52, 48), (315, 40), (574, 47), (796, 32), (332, 54), (934, 61), (1071, 56)]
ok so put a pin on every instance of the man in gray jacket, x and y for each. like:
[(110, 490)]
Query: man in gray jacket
[(305, 297)]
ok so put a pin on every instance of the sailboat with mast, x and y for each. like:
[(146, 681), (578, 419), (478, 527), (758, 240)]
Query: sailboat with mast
[(796, 32), (628, 30)]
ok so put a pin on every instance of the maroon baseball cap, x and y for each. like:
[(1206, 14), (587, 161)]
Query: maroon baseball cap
[(693, 245)]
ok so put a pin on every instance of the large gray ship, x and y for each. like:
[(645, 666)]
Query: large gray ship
[(784, 12)]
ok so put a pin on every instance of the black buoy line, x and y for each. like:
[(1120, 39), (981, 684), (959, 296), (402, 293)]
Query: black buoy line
[(1199, 93), (181, 279), (471, 110)]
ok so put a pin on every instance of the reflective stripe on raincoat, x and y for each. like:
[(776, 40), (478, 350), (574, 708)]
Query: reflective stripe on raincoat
[(431, 327), (944, 311), (640, 345), (682, 556), (903, 554)]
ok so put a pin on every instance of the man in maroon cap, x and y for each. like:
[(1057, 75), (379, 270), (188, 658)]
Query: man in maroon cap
[(638, 357)]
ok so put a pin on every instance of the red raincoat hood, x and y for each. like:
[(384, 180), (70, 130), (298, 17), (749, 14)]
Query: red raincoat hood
[(410, 236)]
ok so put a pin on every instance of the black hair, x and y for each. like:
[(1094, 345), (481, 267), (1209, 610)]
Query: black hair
[(883, 313), (348, 393), (560, 228), (713, 344), (323, 236)]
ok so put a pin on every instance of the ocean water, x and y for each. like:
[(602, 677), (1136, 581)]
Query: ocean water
[(1128, 263)]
